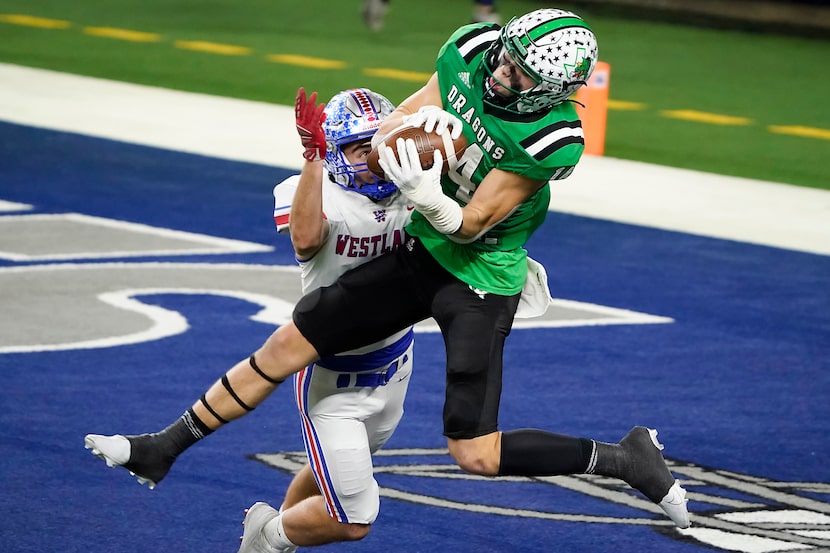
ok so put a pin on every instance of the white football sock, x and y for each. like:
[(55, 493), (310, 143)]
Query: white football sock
[(275, 534)]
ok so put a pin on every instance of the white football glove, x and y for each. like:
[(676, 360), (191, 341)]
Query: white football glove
[(421, 187), (434, 118)]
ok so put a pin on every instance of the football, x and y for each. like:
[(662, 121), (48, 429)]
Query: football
[(426, 143)]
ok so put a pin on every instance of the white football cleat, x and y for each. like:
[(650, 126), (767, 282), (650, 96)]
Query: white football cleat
[(137, 454), (674, 504), (253, 537), (115, 450)]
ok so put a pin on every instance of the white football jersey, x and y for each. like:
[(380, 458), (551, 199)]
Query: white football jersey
[(359, 230)]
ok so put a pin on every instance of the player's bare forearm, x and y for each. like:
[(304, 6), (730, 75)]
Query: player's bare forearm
[(429, 94), (499, 194), (307, 225)]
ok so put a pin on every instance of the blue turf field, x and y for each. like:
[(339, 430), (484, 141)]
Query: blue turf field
[(737, 385)]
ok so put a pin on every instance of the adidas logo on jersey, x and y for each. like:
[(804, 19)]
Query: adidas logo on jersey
[(465, 77)]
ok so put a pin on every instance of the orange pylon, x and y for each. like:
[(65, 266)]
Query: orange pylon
[(594, 96)]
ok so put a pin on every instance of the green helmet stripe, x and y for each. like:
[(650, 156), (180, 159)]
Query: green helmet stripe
[(518, 45), (554, 25)]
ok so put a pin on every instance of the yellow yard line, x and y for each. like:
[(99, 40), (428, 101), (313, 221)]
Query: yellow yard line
[(32, 21), (122, 34), (704, 117), (797, 130), (623, 105), (397, 74), (213, 47), (305, 61), (386, 73)]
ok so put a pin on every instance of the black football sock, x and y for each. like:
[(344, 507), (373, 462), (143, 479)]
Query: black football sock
[(186, 431), (530, 452), (152, 455), (637, 461)]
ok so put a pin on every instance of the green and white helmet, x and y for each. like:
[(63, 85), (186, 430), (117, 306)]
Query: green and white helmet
[(556, 48)]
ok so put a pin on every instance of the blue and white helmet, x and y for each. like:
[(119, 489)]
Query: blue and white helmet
[(351, 116), (556, 48)]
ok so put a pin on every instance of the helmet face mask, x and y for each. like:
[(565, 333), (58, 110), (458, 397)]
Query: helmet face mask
[(555, 48), (515, 92), (354, 116)]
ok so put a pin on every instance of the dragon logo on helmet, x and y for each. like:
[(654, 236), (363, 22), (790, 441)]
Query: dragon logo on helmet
[(582, 69)]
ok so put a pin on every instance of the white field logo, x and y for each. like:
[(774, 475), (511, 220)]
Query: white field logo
[(729, 511)]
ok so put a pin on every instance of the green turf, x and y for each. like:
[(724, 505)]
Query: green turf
[(768, 79)]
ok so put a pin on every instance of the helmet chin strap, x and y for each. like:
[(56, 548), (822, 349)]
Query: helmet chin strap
[(377, 190), (498, 100), (505, 102)]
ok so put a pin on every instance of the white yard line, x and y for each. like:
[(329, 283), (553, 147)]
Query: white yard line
[(746, 210), (706, 204)]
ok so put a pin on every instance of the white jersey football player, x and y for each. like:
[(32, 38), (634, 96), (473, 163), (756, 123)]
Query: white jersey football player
[(339, 216)]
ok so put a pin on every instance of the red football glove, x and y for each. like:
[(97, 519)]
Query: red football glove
[(310, 119)]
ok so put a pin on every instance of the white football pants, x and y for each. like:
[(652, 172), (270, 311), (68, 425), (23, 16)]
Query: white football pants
[(344, 421)]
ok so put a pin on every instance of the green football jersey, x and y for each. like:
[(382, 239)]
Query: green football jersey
[(542, 146)]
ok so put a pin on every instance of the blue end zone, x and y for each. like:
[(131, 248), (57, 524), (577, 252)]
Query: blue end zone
[(738, 383)]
